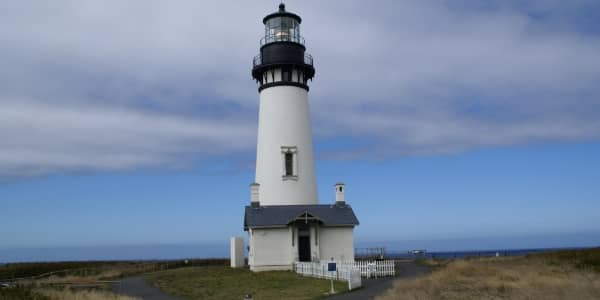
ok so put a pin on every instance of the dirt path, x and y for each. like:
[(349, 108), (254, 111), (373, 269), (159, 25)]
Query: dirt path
[(374, 287), (139, 288)]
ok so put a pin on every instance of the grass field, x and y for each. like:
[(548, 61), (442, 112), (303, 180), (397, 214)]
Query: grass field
[(67, 294), (32, 293), (225, 283), (52, 280), (555, 275), (102, 269)]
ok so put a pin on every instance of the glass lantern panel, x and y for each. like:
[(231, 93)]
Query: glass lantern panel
[(282, 29)]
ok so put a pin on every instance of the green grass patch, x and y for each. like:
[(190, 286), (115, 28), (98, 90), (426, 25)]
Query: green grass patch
[(217, 282)]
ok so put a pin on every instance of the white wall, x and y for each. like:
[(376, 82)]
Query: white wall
[(236, 252), (270, 248), (336, 242), (284, 121)]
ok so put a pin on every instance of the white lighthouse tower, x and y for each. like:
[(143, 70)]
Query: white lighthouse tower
[(285, 221), (284, 154)]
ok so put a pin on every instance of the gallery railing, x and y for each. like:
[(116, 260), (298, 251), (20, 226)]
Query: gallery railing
[(257, 61), (281, 37)]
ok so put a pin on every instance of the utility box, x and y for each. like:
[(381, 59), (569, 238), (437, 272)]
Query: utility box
[(237, 252)]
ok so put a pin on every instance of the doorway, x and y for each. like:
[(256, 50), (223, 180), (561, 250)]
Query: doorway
[(304, 244)]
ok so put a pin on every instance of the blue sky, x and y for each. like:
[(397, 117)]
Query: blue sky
[(135, 123)]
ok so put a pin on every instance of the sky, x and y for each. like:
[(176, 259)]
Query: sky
[(452, 123)]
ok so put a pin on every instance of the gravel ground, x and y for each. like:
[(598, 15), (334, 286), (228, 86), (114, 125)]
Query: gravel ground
[(138, 287), (374, 287)]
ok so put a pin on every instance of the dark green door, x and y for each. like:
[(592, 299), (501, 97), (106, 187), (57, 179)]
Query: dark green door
[(304, 243), (304, 248)]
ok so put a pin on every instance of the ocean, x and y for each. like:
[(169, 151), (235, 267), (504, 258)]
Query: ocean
[(475, 253), (172, 252), (96, 253)]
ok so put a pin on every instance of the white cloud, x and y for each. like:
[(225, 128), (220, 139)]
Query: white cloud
[(40, 139), (421, 78), (88, 85)]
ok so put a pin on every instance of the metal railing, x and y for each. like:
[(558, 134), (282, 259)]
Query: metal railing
[(272, 38), (370, 253), (257, 60), (308, 59)]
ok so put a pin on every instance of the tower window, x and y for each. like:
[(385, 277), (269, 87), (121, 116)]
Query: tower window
[(289, 164), (286, 75), (289, 155)]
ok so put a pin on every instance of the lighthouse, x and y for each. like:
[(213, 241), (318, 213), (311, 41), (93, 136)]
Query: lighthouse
[(284, 220), (284, 152)]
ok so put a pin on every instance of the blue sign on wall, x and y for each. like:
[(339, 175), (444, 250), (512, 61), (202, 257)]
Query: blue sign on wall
[(331, 267)]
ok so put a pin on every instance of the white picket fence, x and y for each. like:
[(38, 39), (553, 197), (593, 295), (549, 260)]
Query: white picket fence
[(344, 271), (319, 270), (376, 268), (367, 269)]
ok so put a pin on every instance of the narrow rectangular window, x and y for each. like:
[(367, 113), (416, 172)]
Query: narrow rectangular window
[(289, 164), (286, 75)]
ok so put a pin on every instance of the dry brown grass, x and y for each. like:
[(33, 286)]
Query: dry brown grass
[(67, 294), (501, 278), (79, 279)]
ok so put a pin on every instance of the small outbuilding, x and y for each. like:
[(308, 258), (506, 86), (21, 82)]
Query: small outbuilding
[(279, 235)]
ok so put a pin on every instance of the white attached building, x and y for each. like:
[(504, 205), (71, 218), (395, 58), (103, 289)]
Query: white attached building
[(285, 221), (279, 235)]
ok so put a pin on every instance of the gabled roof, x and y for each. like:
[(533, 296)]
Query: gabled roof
[(282, 215)]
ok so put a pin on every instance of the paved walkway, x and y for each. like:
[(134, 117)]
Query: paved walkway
[(375, 287), (139, 288)]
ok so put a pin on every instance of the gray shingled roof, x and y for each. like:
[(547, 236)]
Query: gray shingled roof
[(282, 215)]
